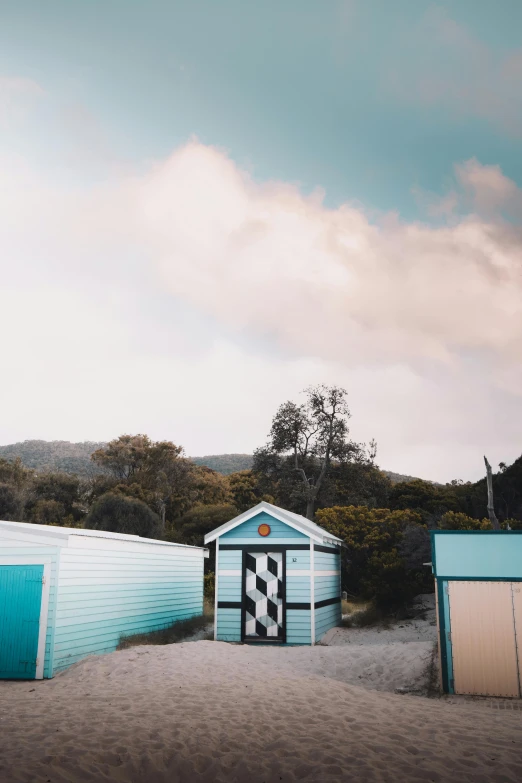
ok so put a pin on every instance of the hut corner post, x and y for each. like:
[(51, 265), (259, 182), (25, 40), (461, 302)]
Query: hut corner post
[(491, 508)]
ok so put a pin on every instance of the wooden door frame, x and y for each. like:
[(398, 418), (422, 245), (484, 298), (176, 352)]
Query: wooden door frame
[(46, 562), (262, 548)]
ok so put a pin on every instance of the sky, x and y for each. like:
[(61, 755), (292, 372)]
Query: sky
[(207, 207)]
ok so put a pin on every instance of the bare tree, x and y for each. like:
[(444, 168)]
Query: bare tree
[(491, 507), (313, 435)]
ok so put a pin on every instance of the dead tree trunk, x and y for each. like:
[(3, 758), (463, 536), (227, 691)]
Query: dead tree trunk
[(491, 507)]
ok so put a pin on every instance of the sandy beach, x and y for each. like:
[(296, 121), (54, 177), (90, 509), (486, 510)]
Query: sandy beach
[(209, 711)]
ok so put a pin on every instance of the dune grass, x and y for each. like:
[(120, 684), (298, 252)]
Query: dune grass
[(174, 633)]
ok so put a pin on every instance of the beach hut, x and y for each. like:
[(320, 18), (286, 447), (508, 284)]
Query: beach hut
[(478, 588), (278, 578), (66, 593)]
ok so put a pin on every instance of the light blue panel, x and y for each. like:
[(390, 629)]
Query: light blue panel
[(229, 588), (104, 594), (20, 604), (298, 626), (297, 559), (324, 561), (297, 589), (481, 555), (326, 587), (229, 625), (230, 558), (17, 550), (247, 532), (325, 618)]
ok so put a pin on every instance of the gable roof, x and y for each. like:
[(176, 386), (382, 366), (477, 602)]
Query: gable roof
[(298, 522), (60, 535)]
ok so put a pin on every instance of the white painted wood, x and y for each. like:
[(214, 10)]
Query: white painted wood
[(24, 560), (42, 629), (312, 593), (216, 589), (306, 572), (296, 521), (230, 572)]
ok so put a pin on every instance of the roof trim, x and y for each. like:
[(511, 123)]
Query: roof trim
[(296, 521), (64, 534)]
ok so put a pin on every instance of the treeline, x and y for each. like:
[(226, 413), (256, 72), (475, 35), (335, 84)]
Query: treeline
[(308, 466)]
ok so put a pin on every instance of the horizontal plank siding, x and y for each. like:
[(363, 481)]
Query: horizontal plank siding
[(324, 561), (230, 587), (229, 625), (326, 587), (19, 550), (297, 559), (298, 626), (230, 559), (325, 618), (247, 533), (297, 589), (104, 594)]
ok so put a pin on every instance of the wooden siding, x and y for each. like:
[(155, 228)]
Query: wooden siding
[(104, 594), (326, 587), (298, 626), (246, 533), (229, 625), (325, 618), (297, 589), (483, 638), (14, 548)]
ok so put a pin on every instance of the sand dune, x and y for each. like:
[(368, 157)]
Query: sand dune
[(208, 711)]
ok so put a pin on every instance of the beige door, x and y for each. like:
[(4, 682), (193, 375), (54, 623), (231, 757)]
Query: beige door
[(483, 638), (516, 588)]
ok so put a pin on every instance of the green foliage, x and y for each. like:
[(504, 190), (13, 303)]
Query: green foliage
[(192, 527), (54, 455), (427, 499), (457, 521), (225, 463), (117, 513), (246, 491), (210, 586), (10, 505), (373, 565)]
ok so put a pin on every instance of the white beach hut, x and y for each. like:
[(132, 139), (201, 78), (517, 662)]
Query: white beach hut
[(66, 593)]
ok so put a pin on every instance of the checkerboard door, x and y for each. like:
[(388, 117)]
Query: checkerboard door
[(264, 595)]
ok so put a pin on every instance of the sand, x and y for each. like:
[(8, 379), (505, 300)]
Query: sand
[(209, 711)]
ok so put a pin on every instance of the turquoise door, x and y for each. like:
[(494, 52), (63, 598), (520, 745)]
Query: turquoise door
[(20, 602)]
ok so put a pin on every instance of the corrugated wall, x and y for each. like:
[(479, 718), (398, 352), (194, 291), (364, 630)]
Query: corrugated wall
[(12, 548), (109, 589)]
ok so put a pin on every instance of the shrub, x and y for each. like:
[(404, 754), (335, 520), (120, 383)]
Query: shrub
[(120, 514), (373, 566)]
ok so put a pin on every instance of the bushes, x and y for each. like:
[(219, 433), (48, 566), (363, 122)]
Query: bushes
[(120, 514), (375, 564)]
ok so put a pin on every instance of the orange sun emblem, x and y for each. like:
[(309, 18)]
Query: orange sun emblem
[(263, 530)]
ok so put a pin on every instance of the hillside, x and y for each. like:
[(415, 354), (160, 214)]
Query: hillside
[(75, 458), (60, 455)]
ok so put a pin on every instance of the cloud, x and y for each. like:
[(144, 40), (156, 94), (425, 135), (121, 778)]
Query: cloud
[(422, 323), (17, 95), (455, 70)]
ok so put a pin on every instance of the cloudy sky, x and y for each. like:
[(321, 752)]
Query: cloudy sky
[(206, 207)]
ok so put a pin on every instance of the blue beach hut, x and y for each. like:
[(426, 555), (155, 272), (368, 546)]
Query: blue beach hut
[(478, 589), (278, 578), (66, 593)]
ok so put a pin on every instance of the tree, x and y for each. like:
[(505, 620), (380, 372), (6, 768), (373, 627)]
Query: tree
[(116, 513), (306, 439), (10, 506), (165, 476), (378, 552), (246, 490), (425, 498)]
